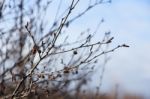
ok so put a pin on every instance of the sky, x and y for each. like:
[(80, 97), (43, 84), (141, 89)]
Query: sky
[(129, 22)]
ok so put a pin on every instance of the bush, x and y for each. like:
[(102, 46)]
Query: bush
[(37, 58)]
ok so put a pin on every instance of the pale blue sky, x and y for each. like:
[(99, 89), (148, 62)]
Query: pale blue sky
[(129, 22)]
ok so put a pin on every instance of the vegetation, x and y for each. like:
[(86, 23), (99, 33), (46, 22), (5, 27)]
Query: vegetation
[(38, 58)]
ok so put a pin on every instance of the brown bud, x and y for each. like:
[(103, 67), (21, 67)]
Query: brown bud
[(124, 45), (34, 50), (75, 52), (66, 71), (110, 40)]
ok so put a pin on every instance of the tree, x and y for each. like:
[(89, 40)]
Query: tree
[(36, 57)]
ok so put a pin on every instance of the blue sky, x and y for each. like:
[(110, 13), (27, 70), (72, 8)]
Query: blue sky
[(129, 22)]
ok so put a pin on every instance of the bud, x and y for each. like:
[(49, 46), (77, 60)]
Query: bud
[(124, 45), (75, 52)]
